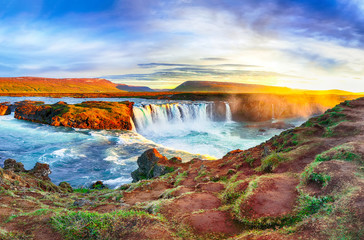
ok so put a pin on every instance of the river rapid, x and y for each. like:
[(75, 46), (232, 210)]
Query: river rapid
[(186, 129)]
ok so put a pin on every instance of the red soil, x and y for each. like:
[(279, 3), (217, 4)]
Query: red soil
[(213, 221), (189, 203), (274, 197)]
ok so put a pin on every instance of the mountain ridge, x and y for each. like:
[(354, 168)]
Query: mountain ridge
[(230, 87)]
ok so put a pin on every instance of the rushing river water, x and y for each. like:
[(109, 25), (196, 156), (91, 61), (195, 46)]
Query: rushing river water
[(176, 128)]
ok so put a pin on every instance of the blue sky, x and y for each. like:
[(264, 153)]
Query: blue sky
[(303, 43)]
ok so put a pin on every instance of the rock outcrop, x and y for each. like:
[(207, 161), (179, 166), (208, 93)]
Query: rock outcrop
[(4, 109), (91, 114), (13, 176), (151, 164), (41, 170), (13, 165)]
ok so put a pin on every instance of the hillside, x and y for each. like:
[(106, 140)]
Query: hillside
[(131, 88), (228, 87), (306, 183), (56, 85)]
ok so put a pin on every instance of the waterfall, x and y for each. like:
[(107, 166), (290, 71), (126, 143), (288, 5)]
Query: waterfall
[(229, 116), (159, 116), (132, 125)]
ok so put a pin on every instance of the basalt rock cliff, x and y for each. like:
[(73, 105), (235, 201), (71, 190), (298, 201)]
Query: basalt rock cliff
[(91, 114)]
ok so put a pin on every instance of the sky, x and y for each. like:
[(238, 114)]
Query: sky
[(310, 44)]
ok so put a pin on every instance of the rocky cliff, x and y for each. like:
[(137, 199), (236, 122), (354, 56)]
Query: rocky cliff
[(91, 114)]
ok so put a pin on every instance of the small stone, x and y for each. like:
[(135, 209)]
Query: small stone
[(82, 202)]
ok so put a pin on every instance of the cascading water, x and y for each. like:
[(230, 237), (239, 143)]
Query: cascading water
[(154, 117), (81, 156), (229, 115)]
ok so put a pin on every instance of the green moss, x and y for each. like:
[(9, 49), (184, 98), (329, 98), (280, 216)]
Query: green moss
[(270, 162), (250, 160), (169, 169), (6, 235), (180, 177), (253, 184), (37, 212), (92, 225), (342, 152), (309, 205), (202, 173), (347, 103), (320, 178), (82, 190), (231, 193)]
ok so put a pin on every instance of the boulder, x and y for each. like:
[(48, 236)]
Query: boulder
[(13, 165), (4, 109), (41, 170), (149, 166), (82, 202)]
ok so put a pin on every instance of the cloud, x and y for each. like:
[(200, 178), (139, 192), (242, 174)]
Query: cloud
[(214, 59), (303, 43)]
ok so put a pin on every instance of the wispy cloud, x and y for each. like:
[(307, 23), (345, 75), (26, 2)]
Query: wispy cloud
[(303, 43)]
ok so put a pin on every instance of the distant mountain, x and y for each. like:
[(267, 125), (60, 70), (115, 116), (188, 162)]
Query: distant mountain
[(229, 87), (56, 85), (131, 88)]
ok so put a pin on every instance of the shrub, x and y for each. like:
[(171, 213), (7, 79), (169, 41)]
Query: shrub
[(320, 178), (270, 162)]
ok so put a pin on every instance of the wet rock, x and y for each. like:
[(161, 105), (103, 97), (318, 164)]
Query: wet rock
[(13, 165), (66, 187), (41, 170), (82, 202), (4, 109), (149, 167), (98, 185)]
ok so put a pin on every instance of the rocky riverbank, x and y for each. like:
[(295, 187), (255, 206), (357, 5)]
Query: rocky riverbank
[(91, 114), (306, 183)]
